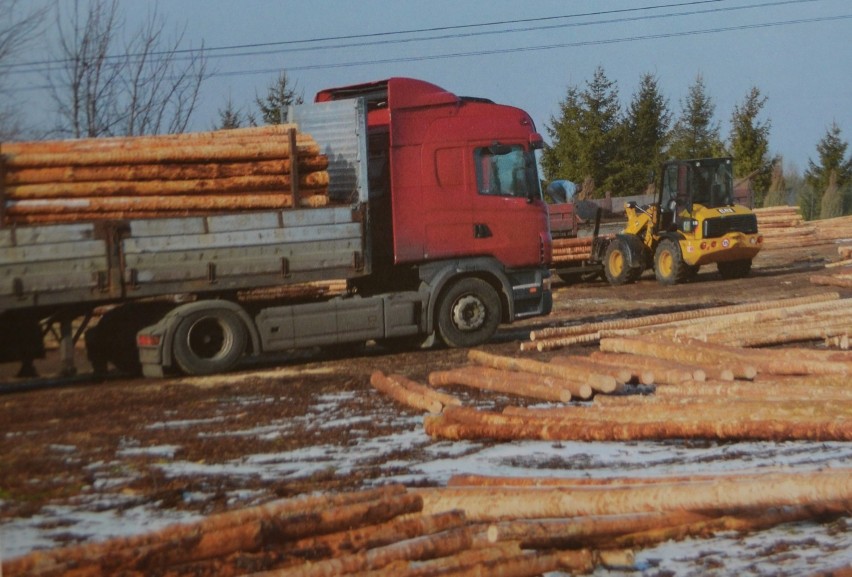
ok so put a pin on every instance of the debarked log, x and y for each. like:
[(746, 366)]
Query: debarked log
[(463, 423), (598, 382), (544, 387), (118, 188), (726, 493)]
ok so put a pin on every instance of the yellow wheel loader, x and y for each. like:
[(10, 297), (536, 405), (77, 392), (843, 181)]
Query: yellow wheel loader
[(692, 222)]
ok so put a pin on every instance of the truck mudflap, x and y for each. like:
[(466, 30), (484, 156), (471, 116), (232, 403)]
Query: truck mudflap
[(531, 293)]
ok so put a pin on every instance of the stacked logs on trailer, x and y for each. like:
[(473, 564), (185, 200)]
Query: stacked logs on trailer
[(259, 168), (475, 526), (569, 251)]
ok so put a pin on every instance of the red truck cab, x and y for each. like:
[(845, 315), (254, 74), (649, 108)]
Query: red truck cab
[(454, 176)]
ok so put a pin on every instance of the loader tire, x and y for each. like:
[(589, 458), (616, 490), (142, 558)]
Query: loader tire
[(668, 263), (617, 264)]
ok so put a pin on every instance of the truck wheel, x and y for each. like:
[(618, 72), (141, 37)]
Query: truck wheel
[(668, 263), (617, 263), (468, 313), (734, 269), (209, 341)]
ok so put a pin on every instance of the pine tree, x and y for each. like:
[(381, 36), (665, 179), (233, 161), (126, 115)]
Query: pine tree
[(832, 157), (229, 117), (279, 96), (648, 121), (588, 136), (750, 144), (695, 134)]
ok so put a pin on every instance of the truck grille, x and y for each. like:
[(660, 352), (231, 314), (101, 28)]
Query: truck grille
[(720, 226)]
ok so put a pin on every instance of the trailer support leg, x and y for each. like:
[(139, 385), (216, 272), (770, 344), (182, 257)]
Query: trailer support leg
[(66, 349)]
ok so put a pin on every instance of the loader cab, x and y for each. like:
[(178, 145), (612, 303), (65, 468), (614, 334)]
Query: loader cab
[(708, 182)]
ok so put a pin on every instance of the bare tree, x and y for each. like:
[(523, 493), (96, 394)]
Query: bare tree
[(20, 26), (113, 83)]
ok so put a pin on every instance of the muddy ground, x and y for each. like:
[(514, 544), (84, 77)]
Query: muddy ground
[(85, 459)]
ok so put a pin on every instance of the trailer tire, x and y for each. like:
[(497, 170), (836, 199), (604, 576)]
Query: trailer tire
[(209, 341), (734, 269), (469, 313), (668, 263)]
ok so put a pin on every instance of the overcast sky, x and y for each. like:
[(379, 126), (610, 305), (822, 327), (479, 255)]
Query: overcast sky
[(798, 52)]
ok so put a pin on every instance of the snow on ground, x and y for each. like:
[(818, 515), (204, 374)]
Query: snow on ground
[(792, 549)]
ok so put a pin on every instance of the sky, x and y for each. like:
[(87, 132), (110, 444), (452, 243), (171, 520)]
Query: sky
[(798, 53)]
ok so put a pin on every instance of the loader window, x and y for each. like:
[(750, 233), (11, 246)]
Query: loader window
[(506, 171), (712, 186)]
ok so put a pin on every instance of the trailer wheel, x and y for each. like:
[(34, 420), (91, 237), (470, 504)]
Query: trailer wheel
[(469, 313), (209, 341), (617, 263), (734, 269), (668, 263)]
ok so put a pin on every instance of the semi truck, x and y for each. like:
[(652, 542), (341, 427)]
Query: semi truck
[(435, 226)]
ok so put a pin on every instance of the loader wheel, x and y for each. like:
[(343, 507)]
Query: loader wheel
[(209, 341), (734, 269), (469, 313), (617, 264), (668, 263)]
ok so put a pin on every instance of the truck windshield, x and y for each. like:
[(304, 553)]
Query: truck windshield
[(507, 171)]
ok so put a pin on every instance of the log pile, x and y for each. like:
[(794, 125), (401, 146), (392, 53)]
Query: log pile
[(258, 168), (783, 227), (511, 527)]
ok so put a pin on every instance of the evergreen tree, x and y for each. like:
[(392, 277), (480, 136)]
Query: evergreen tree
[(832, 157), (695, 134), (750, 144), (229, 117), (279, 96), (648, 122), (588, 136)]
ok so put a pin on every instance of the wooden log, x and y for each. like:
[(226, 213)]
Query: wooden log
[(765, 390), (598, 382), (168, 172), (534, 385), (391, 386), (428, 392), (589, 531), (140, 548), (203, 152), (679, 353), (372, 536), (623, 374), (425, 547), (461, 423), (665, 372), (149, 204), (461, 563), (729, 493), (664, 318), (117, 188)]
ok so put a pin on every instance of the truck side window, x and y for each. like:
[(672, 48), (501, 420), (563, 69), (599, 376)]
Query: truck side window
[(501, 174)]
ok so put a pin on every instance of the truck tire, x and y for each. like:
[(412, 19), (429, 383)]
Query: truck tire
[(734, 269), (469, 313), (209, 341), (668, 263), (618, 263)]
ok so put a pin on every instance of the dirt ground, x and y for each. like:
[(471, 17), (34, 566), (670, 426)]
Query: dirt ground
[(143, 453)]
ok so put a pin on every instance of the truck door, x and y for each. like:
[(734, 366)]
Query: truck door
[(508, 212)]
